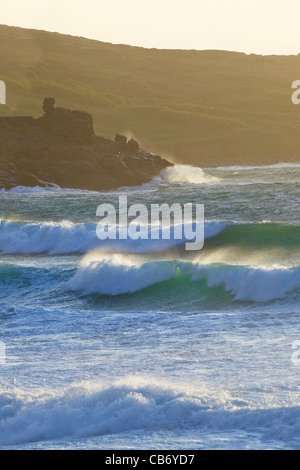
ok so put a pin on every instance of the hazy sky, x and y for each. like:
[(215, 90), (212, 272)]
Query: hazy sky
[(259, 26)]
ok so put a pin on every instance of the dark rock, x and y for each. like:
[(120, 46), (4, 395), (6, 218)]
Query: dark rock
[(48, 105), (121, 141), (61, 148), (132, 146), (75, 126)]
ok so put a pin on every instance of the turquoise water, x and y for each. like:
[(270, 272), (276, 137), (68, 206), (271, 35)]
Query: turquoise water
[(141, 344)]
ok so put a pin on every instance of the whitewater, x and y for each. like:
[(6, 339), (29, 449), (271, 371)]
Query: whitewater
[(141, 344)]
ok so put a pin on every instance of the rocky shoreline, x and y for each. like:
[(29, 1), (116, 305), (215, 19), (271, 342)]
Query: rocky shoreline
[(60, 148)]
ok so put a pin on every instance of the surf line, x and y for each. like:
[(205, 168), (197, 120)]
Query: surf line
[(163, 221)]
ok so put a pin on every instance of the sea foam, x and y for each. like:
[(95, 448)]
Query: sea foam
[(93, 409), (67, 237), (186, 174), (120, 274)]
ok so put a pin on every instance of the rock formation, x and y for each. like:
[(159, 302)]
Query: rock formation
[(61, 148)]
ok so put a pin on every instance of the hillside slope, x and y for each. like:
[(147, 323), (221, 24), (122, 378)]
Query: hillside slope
[(201, 107)]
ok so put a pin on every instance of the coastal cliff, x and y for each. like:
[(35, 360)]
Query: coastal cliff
[(61, 148)]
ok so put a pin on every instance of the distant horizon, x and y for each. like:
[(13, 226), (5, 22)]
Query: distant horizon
[(149, 47), (247, 26)]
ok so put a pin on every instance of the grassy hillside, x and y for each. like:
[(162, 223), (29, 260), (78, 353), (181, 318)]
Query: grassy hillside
[(201, 107)]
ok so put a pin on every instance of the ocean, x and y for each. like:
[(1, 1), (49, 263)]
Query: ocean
[(141, 344)]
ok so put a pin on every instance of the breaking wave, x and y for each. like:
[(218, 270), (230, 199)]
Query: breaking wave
[(67, 237), (186, 174), (91, 409), (120, 274)]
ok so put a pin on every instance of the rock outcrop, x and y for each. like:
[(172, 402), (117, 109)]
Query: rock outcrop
[(61, 148)]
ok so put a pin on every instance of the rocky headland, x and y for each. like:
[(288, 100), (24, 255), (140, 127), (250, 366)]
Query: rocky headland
[(61, 148)]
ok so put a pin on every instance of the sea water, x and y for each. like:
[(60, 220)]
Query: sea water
[(140, 344)]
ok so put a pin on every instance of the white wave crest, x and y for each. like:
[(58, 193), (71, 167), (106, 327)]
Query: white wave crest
[(91, 409), (120, 274), (187, 174), (66, 237)]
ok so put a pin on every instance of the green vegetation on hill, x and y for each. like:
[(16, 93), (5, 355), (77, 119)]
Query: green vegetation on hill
[(200, 107)]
